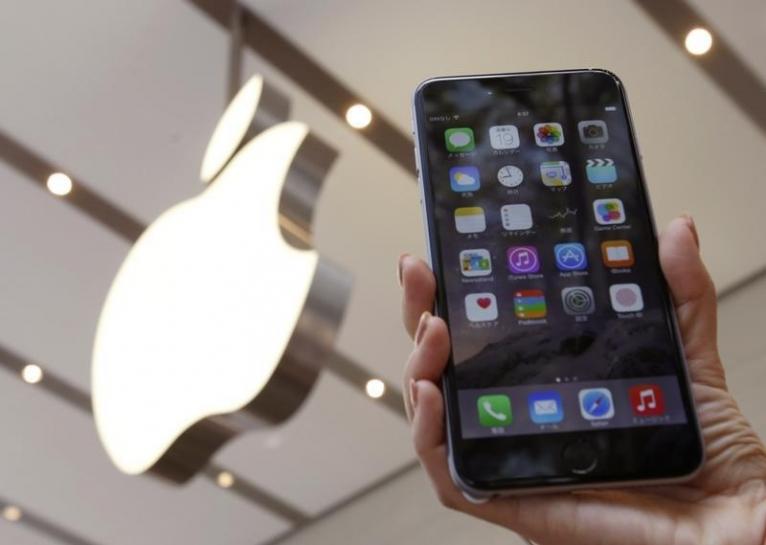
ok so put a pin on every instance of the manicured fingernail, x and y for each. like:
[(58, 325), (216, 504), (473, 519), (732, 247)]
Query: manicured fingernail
[(422, 326), (692, 227), (413, 394), (399, 268)]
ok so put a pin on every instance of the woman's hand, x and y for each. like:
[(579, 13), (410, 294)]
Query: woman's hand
[(725, 503)]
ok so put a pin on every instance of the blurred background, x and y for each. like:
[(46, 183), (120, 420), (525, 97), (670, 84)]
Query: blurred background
[(123, 96)]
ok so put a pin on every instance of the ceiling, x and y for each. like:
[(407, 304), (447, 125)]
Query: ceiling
[(124, 96)]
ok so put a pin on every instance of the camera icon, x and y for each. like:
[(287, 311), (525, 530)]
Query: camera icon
[(593, 131)]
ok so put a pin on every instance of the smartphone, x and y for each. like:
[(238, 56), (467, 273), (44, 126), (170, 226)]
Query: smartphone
[(566, 366)]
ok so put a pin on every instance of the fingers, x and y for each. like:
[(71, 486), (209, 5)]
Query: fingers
[(419, 289), (695, 299), (429, 357)]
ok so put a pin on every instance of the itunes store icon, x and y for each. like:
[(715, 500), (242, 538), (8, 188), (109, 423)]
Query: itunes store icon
[(523, 259)]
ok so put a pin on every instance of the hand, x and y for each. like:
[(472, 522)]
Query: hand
[(725, 503)]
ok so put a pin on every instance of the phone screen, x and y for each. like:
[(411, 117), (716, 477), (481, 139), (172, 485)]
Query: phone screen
[(542, 240)]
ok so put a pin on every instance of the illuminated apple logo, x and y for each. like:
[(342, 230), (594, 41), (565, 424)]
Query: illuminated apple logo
[(221, 313)]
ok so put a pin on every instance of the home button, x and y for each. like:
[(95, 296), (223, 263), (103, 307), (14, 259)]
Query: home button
[(580, 457)]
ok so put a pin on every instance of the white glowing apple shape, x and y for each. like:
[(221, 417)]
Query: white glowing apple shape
[(202, 309)]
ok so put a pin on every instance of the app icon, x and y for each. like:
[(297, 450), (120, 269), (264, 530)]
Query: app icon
[(593, 131), (555, 173), (545, 407), (481, 307), (617, 253), (647, 400), (504, 137), (523, 259), (529, 304), (570, 256), (596, 404), (459, 139), (562, 214), (516, 217), (601, 171), (626, 297), (470, 219), (578, 300), (464, 178), (609, 211), (548, 134), (494, 410), (510, 176), (475, 262)]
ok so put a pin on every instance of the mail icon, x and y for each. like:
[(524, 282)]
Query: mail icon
[(545, 407)]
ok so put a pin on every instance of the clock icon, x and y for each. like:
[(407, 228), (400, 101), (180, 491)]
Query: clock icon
[(510, 176)]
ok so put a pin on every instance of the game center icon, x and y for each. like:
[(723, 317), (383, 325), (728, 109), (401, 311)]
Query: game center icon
[(609, 211)]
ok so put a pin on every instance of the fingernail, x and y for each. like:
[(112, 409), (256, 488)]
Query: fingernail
[(692, 227), (413, 394), (422, 326), (399, 268)]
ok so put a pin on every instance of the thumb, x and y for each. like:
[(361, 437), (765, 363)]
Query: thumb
[(694, 297)]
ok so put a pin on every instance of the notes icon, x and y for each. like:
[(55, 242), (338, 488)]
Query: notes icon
[(647, 400), (470, 219)]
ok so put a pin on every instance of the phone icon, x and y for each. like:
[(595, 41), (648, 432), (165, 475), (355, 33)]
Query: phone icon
[(601, 171), (555, 173), (481, 307), (545, 407), (647, 400), (516, 217), (593, 131), (609, 211), (617, 253), (459, 139), (476, 262), (494, 410), (504, 137), (596, 404), (529, 304), (570, 256), (470, 219), (548, 134), (464, 178)]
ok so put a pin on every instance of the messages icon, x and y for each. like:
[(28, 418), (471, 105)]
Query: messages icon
[(459, 139)]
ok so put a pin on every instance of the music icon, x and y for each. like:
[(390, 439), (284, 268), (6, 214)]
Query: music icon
[(647, 400), (523, 259)]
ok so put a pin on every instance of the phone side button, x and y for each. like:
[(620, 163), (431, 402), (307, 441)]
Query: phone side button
[(580, 457)]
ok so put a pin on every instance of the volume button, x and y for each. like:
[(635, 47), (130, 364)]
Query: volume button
[(417, 159)]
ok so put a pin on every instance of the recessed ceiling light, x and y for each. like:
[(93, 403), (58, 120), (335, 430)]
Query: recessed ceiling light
[(11, 513), (32, 373), (375, 388), (59, 184), (225, 479), (358, 116), (698, 41)]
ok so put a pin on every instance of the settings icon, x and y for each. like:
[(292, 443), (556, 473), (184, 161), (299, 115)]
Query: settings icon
[(578, 300)]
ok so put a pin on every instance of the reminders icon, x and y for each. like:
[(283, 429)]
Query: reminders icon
[(470, 219)]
